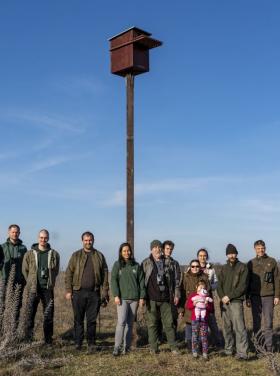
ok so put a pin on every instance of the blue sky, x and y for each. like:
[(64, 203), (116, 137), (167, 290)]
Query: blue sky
[(207, 125)]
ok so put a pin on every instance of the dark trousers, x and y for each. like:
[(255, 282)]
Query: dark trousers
[(47, 299), (174, 311), (85, 303), (157, 311), (263, 305), (214, 330)]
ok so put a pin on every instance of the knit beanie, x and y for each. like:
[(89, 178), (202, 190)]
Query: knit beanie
[(231, 249), (155, 243)]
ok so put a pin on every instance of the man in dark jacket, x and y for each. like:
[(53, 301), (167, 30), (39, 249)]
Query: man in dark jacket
[(13, 253), (263, 291), (175, 273), (231, 289), (40, 268), (159, 295), (86, 282)]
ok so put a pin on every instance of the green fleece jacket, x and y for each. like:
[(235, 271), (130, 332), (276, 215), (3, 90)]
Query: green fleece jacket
[(233, 281), (127, 281), (263, 277), (75, 269), (13, 254)]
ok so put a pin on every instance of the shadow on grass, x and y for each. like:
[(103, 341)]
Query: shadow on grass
[(102, 337)]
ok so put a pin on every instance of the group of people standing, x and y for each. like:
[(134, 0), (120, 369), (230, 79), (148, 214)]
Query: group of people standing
[(167, 294), (36, 270), (171, 295)]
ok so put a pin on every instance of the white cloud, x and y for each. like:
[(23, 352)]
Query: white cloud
[(173, 185), (54, 161), (80, 85), (118, 198), (66, 193), (47, 163), (51, 121), (8, 178), (42, 119), (262, 205), (167, 186), (8, 155)]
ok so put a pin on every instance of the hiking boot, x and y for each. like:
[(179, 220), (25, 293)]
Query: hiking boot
[(241, 358), (175, 352), (116, 351), (195, 355), (188, 346), (205, 357), (154, 351), (91, 349), (28, 336), (48, 341), (126, 350)]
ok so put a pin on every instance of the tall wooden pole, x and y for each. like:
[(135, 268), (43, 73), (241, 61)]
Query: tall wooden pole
[(130, 160), (129, 52)]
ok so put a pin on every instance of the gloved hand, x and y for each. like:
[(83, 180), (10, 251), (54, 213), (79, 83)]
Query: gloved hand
[(105, 299)]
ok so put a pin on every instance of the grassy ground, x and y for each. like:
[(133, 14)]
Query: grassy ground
[(62, 359)]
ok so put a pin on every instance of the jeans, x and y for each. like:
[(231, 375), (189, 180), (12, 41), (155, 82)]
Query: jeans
[(47, 299), (126, 313), (214, 330), (233, 322), (188, 332), (263, 305), (85, 303)]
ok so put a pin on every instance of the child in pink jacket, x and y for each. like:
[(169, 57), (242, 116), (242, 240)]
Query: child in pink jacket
[(200, 304)]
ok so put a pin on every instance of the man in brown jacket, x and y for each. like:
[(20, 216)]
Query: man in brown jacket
[(86, 282), (263, 291), (40, 268)]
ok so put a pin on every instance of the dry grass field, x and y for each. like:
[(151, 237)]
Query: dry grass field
[(62, 359)]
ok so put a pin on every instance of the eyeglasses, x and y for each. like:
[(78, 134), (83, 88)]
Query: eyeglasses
[(194, 266)]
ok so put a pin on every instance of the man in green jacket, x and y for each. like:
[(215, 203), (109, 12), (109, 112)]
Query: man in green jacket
[(13, 253), (40, 268), (86, 282), (263, 291), (231, 289)]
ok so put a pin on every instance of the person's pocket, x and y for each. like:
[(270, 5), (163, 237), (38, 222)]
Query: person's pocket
[(268, 277)]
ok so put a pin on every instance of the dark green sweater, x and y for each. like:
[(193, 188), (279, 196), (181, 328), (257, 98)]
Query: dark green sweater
[(13, 254), (233, 281), (127, 282), (43, 271)]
